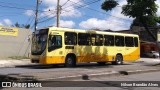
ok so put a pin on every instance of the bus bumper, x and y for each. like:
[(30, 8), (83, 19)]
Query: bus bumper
[(35, 59)]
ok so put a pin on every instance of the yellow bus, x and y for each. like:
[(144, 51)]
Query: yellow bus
[(70, 46)]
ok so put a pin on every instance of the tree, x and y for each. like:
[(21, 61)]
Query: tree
[(151, 21), (109, 5), (27, 26), (17, 25), (140, 8), (144, 12)]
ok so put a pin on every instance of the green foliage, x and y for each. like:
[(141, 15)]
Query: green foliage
[(17, 24), (140, 8), (149, 20), (109, 5), (136, 22), (144, 12), (27, 26), (157, 19)]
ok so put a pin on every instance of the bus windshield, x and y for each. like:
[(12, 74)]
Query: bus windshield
[(39, 42)]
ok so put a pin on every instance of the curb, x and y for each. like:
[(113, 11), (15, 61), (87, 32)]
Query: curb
[(143, 71), (88, 76)]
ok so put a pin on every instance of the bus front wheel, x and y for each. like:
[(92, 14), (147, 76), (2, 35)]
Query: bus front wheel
[(118, 61), (70, 61)]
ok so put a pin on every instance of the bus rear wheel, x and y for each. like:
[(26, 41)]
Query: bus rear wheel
[(70, 61), (118, 61)]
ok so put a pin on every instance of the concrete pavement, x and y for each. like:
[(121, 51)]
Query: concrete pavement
[(13, 63), (149, 61)]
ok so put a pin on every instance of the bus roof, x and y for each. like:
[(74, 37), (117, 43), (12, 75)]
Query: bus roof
[(89, 31)]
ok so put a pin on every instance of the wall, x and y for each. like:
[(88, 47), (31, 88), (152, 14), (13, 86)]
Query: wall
[(15, 46), (144, 35)]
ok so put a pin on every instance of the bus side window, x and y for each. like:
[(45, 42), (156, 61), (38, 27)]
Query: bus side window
[(135, 41), (108, 40), (119, 40), (70, 38), (55, 42), (97, 39), (129, 42), (84, 39), (93, 39), (59, 41)]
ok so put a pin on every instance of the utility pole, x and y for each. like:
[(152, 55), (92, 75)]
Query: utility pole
[(36, 17), (58, 13)]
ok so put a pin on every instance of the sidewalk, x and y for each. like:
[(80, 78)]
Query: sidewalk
[(13, 63), (148, 61)]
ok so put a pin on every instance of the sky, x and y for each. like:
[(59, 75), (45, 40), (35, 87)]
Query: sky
[(78, 14)]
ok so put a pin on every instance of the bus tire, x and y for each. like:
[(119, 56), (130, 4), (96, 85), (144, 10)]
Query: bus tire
[(70, 61), (101, 63), (119, 60)]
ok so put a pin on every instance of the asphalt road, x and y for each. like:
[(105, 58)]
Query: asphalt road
[(105, 83), (46, 72), (43, 72)]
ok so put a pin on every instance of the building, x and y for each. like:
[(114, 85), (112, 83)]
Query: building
[(144, 34), (146, 47), (13, 45)]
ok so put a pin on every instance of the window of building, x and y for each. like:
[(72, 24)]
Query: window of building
[(97, 39), (70, 38), (84, 39), (108, 40), (129, 41), (119, 40)]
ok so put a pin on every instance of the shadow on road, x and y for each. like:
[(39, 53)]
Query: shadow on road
[(80, 65), (39, 66)]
